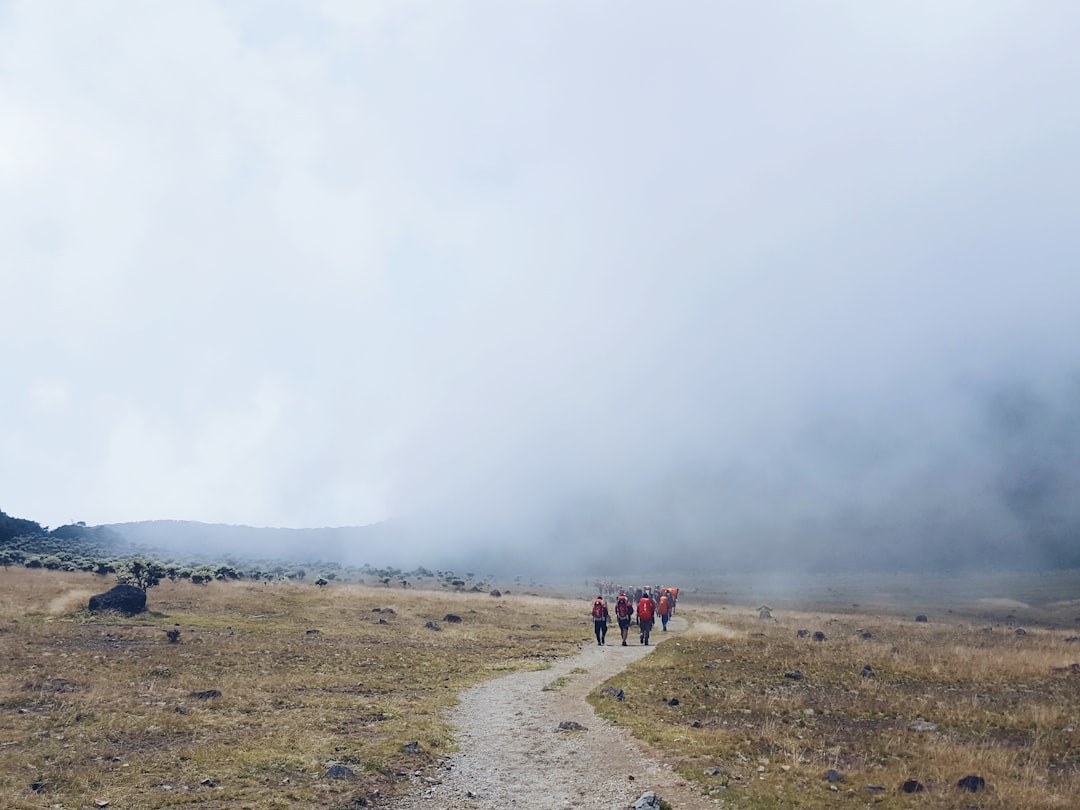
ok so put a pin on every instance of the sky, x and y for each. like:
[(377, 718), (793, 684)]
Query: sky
[(726, 278)]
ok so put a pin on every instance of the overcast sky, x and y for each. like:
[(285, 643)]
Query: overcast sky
[(704, 270)]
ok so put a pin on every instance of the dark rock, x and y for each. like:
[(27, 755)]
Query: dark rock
[(432, 626), (921, 618), (312, 633), (208, 694), (912, 786), (126, 599), (570, 725), (37, 787), (802, 634), (411, 747), (339, 771), (833, 775), (451, 618), (873, 788), (1071, 639), (1020, 631), (972, 783), (173, 635), (383, 621), (696, 724), (866, 636), (534, 627), (794, 675), (714, 771), (819, 636), (376, 610), (867, 671), (614, 692), (495, 592), (673, 702)]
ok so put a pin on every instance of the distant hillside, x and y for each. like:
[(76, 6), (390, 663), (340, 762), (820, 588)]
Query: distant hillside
[(356, 544)]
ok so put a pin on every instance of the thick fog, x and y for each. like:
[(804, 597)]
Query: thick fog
[(728, 285)]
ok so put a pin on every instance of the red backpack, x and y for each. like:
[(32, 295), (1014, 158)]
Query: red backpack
[(622, 608), (598, 609), (644, 608)]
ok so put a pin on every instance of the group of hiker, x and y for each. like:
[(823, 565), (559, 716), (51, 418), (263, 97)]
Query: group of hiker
[(642, 608)]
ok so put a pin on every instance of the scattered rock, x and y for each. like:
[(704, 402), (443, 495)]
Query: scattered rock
[(794, 675), (173, 635), (819, 636), (1020, 631), (126, 599), (972, 783), (673, 702), (867, 671), (312, 633), (921, 618), (912, 786), (37, 787), (873, 788), (614, 692), (534, 627), (383, 621), (206, 694), (802, 634), (696, 724), (339, 771), (647, 801), (833, 775), (866, 636), (714, 771), (1071, 639), (411, 747), (922, 725), (571, 725), (376, 610), (495, 592), (452, 618), (764, 612), (433, 626)]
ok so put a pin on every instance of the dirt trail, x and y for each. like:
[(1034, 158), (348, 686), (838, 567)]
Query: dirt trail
[(512, 755)]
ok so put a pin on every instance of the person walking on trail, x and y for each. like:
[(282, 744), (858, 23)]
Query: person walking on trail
[(624, 614), (600, 617), (645, 616), (663, 609)]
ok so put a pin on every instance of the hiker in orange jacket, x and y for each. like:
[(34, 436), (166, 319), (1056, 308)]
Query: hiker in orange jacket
[(624, 614), (663, 608), (645, 616)]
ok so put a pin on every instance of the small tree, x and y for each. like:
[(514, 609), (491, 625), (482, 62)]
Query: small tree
[(141, 573)]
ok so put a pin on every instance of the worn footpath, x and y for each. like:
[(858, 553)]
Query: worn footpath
[(513, 754)]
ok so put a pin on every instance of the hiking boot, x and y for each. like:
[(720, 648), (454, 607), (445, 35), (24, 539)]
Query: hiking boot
[(624, 643)]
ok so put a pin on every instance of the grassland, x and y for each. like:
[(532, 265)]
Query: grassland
[(104, 710), (989, 686)]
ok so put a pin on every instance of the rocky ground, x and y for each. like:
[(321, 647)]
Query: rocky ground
[(513, 754)]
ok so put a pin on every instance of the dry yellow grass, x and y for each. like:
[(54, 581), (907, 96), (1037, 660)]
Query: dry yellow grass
[(103, 708), (1006, 708)]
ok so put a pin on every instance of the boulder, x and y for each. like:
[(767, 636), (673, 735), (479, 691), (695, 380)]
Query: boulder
[(647, 801), (125, 599)]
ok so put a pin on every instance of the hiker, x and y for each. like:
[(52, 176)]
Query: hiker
[(645, 616), (600, 617), (663, 608), (624, 613)]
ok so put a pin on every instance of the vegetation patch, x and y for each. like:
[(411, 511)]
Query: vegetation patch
[(247, 707), (764, 717)]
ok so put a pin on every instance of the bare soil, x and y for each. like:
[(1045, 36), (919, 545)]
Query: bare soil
[(513, 754)]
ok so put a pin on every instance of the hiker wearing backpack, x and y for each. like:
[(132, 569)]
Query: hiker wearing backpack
[(663, 608), (624, 613), (600, 617), (645, 616)]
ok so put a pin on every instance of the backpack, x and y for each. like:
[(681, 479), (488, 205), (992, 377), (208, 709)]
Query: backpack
[(598, 610), (644, 608), (623, 609)]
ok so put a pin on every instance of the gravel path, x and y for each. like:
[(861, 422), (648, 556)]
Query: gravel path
[(513, 756)]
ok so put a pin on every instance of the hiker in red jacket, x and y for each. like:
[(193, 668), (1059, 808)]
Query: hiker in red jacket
[(663, 608), (600, 617), (645, 616), (624, 614)]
